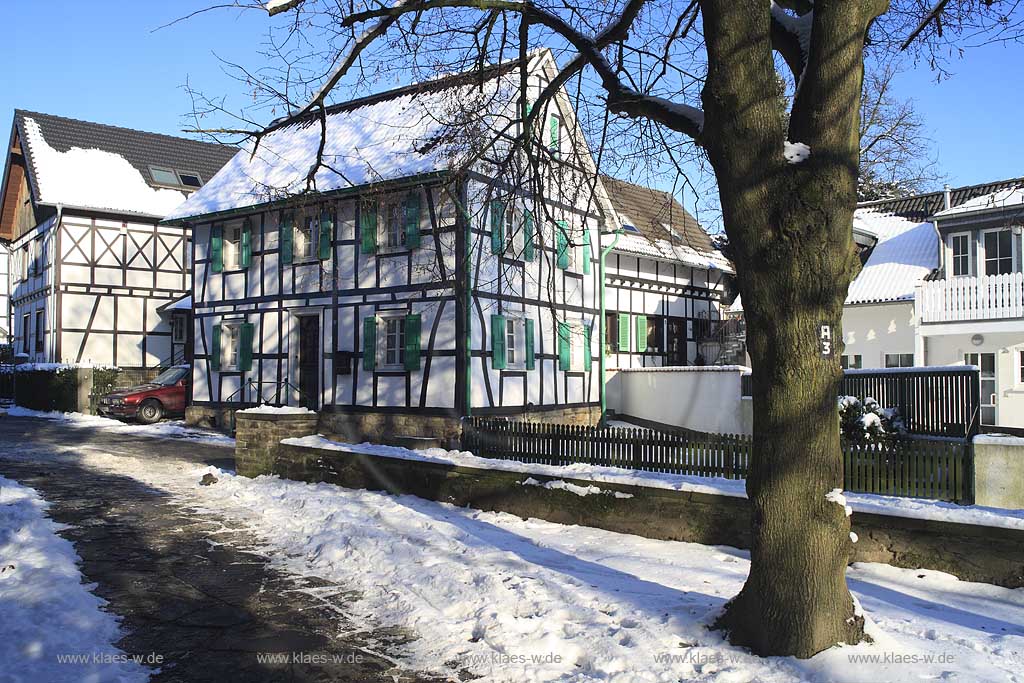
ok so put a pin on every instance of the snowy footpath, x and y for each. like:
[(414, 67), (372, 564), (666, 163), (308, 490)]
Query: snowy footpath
[(51, 627), (526, 600)]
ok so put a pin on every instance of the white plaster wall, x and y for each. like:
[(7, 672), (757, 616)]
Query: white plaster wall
[(950, 350), (705, 399), (873, 330)]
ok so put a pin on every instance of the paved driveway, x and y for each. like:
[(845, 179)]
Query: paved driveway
[(190, 587)]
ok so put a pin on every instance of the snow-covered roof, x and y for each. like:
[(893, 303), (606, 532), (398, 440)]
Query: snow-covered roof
[(633, 243), (92, 165), (401, 133), (182, 304), (1002, 199), (907, 251)]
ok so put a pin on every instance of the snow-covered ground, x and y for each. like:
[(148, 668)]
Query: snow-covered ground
[(46, 613), (528, 600), (173, 429)]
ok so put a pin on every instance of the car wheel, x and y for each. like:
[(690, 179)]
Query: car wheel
[(150, 411)]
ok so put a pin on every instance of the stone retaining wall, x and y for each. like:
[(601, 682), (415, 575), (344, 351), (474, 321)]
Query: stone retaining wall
[(258, 438), (973, 553)]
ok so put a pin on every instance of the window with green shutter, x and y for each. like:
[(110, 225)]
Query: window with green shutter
[(326, 234), (217, 248), (564, 347), (245, 335), (286, 237), (562, 244), (368, 228), (499, 358), (245, 245), (412, 220), (497, 226), (215, 348), (556, 134), (528, 236), (412, 341), (588, 359), (531, 360), (586, 251), (369, 343), (624, 332), (641, 333)]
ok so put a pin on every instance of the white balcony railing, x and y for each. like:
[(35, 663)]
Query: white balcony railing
[(987, 297)]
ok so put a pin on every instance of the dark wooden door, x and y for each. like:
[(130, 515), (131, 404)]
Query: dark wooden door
[(676, 341), (309, 360)]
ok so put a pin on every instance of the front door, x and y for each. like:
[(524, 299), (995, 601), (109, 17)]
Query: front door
[(309, 360), (676, 341), (987, 363)]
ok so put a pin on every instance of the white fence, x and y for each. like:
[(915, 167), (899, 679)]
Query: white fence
[(987, 297), (705, 398)]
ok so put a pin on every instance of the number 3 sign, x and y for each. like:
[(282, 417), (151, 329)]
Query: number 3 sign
[(825, 343)]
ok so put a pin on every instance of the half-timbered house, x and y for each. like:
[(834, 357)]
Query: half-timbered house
[(410, 288), (91, 263), (664, 281)]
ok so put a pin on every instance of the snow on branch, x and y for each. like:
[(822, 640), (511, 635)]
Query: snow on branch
[(798, 28), (278, 6)]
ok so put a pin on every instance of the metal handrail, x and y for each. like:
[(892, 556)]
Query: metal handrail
[(254, 387)]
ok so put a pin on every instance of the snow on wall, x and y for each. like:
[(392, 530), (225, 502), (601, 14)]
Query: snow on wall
[(93, 178)]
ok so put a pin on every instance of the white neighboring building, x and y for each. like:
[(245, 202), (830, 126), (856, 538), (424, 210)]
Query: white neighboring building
[(91, 266)]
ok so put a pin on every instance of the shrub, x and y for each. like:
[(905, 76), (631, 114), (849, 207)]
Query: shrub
[(865, 421)]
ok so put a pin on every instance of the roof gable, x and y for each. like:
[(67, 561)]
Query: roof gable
[(922, 206)]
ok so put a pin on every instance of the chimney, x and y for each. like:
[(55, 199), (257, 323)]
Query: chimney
[(945, 197)]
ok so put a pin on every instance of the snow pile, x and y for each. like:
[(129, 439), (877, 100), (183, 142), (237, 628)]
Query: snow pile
[(560, 485), (836, 496), (171, 429), (47, 611), (93, 178), (278, 410), (795, 152)]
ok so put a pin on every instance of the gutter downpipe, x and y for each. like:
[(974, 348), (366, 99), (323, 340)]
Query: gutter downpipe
[(600, 326)]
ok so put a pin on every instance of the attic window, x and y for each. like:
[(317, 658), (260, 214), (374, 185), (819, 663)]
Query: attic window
[(163, 176), (629, 228), (167, 176)]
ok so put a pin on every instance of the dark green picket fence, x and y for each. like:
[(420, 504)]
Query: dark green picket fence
[(922, 468)]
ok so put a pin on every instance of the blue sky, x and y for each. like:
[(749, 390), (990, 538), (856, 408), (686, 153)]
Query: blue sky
[(101, 61)]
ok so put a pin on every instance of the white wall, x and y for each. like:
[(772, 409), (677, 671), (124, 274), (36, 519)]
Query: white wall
[(873, 330), (5, 292), (705, 399), (950, 350)]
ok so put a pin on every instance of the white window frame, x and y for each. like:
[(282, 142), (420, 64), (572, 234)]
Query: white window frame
[(515, 341), (983, 254), (513, 242), (231, 250), (854, 361), (898, 355), (1019, 370), (384, 214), (383, 320), (230, 348), (577, 353), (952, 255), (306, 235)]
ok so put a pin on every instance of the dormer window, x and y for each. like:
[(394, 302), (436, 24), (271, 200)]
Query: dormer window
[(163, 176), (190, 179)]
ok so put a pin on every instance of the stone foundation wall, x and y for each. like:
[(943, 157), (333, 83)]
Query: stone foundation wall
[(973, 553), (258, 438), (385, 427), (210, 417), (589, 415)]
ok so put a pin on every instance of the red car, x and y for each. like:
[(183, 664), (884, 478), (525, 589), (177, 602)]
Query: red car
[(149, 403)]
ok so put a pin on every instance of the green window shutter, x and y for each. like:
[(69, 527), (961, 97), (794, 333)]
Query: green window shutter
[(412, 220), (368, 228), (412, 341), (245, 333), (531, 361), (245, 249), (286, 237), (562, 244), (497, 226), (217, 248), (586, 251), (326, 234), (555, 134), (564, 358), (215, 348), (587, 357), (624, 332), (498, 350), (528, 236), (369, 343), (641, 333)]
